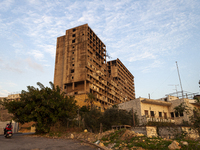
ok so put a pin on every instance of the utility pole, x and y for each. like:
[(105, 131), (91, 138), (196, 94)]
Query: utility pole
[(179, 79)]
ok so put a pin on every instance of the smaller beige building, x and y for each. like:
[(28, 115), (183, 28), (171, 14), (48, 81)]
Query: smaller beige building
[(161, 110), (4, 115)]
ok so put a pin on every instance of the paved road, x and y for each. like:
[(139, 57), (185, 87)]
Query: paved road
[(21, 142)]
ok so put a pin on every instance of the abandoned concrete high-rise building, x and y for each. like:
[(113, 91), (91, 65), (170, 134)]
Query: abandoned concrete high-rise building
[(81, 68)]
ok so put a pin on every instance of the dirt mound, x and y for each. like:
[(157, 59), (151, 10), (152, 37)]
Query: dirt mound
[(88, 136), (128, 134)]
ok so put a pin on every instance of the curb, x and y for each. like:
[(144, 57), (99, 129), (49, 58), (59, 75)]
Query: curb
[(13, 133)]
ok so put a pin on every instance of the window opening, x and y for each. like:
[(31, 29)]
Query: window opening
[(73, 41), (146, 112), (74, 30), (172, 114), (176, 114), (152, 113), (73, 35), (72, 71), (160, 114)]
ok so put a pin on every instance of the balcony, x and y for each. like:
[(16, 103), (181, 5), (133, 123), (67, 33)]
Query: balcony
[(145, 119), (160, 120)]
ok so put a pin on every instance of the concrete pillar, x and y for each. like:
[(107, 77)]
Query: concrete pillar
[(73, 86), (85, 86)]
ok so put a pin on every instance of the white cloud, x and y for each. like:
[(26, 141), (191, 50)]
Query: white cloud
[(4, 93), (155, 64), (5, 5), (38, 55), (34, 65), (11, 84), (145, 55), (50, 49)]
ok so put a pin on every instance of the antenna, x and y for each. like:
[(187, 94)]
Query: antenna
[(175, 87), (179, 79)]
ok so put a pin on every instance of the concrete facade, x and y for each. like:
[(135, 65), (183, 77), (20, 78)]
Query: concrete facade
[(159, 110), (81, 68)]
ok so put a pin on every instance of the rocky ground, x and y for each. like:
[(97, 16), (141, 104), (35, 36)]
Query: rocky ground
[(127, 140)]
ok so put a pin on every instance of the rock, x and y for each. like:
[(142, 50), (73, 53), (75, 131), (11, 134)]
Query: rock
[(184, 143), (140, 148), (97, 142), (111, 145), (139, 134), (85, 130), (125, 148), (72, 136), (101, 144), (174, 145)]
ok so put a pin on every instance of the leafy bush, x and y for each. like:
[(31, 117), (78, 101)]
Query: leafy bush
[(45, 106)]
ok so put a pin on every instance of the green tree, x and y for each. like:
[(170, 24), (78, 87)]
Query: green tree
[(83, 110), (93, 119), (91, 98), (115, 116), (45, 106), (180, 109), (195, 120)]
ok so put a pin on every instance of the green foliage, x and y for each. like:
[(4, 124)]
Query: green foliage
[(115, 116), (195, 120), (45, 106), (83, 110), (160, 124), (111, 116), (144, 142), (91, 98), (93, 119), (182, 108)]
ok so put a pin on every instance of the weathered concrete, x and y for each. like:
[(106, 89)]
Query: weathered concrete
[(81, 68)]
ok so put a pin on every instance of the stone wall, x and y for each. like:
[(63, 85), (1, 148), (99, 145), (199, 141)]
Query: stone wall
[(166, 132), (140, 130), (149, 131), (190, 132), (169, 132)]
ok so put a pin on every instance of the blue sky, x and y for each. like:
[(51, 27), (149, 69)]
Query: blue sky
[(148, 36)]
